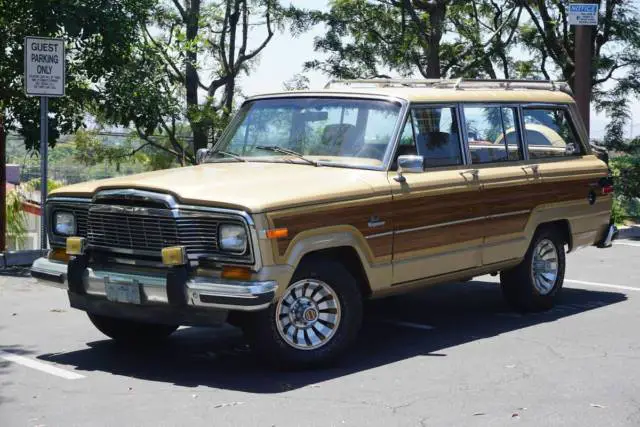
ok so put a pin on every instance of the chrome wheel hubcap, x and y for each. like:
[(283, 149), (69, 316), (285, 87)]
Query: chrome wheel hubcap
[(544, 268), (308, 314)]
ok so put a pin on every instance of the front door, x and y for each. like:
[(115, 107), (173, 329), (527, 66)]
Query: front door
[(434, 212)]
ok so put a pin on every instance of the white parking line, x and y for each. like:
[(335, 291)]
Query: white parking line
[(637, 245), (603, 285), (40, 366), (407, 324)]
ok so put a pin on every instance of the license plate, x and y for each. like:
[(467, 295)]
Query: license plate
[(122, 292)]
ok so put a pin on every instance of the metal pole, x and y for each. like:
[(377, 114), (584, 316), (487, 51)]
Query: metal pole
[(583, 70), (3, 184), (44, 140)]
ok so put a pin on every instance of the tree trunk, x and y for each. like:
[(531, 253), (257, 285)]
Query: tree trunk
[(192, 10), (437, 14)]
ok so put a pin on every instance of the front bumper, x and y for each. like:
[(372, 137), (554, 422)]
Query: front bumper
[(170, 288)]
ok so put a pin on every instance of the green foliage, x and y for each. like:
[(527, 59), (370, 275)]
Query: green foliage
[(618, 212), (16, 217), (626, 173), (98, 38)]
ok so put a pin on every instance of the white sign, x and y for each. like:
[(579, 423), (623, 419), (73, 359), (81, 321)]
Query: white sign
[(583, 14), (44, 66)]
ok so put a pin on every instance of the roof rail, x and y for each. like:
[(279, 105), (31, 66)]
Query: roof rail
[(458, 84)]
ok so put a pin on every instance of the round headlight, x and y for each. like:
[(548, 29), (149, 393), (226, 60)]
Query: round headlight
[(232, 238), (64, 223)]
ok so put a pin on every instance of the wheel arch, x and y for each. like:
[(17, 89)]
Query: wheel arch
[(347, 256), (562, 227)]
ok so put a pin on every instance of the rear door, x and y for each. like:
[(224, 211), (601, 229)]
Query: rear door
[(434, 211), (496, 151)]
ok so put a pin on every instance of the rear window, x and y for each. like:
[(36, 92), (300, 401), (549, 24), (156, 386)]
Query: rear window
[(550, 133)]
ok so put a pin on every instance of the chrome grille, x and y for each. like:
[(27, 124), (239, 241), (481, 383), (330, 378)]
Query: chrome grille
[(148, 233), (150, 230)]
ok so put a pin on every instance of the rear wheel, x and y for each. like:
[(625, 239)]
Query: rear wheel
[(313, 322), (131, 331), (534, 284)]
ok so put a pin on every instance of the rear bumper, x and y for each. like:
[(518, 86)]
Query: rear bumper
[(609, 236), (159, 290)]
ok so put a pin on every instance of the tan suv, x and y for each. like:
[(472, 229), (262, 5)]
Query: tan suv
[(313, 201)]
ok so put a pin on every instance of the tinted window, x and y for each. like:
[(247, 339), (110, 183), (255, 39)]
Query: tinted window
[(493, 135), (436, 136), (550, 134)]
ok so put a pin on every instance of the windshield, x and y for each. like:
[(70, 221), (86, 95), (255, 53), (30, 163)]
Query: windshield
[(323, 130)]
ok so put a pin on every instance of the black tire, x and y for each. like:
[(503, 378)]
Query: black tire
[(261, 328), (130, 331), (518, 284)]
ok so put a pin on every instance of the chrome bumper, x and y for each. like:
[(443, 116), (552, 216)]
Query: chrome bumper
[(200, 291), (609, 237)]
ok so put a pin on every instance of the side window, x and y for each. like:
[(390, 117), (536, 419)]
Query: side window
[(437, 137), (493, 135), (550, 133)]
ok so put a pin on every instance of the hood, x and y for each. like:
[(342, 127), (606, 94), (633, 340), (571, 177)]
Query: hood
[(252, 186)]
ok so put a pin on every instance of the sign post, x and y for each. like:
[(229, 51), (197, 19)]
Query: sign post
[(44, 76), (584, 16)]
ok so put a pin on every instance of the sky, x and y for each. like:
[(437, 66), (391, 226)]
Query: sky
[(285, 55)]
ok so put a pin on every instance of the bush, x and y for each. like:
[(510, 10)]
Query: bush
[(626, 175)]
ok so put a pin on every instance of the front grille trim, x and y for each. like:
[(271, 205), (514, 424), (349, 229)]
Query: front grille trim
[(187, 217), (132, 230)]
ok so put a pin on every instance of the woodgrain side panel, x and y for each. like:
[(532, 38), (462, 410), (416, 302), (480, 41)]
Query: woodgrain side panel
[(357, 215), (436, 210)]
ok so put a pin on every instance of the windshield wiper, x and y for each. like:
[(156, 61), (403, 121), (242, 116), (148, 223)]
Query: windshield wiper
[(277, 149), (226, 153)]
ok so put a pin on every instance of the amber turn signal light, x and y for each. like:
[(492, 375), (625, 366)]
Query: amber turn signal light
[(236, 273), (277, 233), (174, 255), (59, 254), (75, 245)]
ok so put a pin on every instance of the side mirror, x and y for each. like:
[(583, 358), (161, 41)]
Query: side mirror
[(409, 164), (201, 155)]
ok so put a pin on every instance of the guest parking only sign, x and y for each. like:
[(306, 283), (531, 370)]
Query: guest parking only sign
[(44, 66)]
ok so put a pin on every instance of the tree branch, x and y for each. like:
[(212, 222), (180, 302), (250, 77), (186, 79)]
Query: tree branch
[(244, 58), (164, 54), (181, 10)]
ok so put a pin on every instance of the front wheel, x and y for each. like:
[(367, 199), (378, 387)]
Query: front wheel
[(534, 284), (131, 331), (313, 322)]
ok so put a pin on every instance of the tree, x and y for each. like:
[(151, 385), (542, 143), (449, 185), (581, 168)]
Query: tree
[(368, 38), (199, 49), (616, 54), (98, 36)]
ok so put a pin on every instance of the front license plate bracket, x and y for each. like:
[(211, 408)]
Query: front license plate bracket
[(124, 292)]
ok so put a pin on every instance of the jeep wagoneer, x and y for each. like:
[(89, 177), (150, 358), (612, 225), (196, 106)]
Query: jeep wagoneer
[(314, 201)]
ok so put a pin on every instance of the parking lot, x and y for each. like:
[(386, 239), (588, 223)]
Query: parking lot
[(450, 355)]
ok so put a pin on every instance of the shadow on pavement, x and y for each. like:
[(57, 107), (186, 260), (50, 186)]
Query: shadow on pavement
[(460, 313)]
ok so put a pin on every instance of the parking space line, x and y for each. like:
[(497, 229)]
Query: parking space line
[(603, 285), (40, 366), (407, 324), (637, 245)]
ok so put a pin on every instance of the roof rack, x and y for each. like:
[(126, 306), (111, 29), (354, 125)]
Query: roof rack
[(458, 84)]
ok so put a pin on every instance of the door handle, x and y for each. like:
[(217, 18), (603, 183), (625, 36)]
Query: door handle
[(472, 172), (532, 168)]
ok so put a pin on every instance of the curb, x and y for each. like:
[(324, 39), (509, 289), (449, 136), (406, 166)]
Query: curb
[(629, 232)]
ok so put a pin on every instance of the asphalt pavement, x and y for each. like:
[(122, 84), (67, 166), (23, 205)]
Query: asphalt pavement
[(451, 355)]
